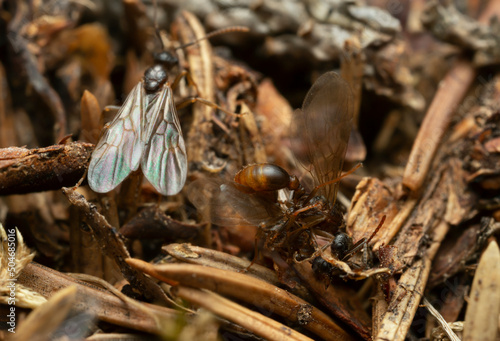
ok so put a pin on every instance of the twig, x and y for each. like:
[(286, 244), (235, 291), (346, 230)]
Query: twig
[(450, 93), (248, 289), (106, 306), (446, 327), (43, 169), (111, 243), (253, 321)]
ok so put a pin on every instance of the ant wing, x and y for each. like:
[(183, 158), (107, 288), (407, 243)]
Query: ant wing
[(165, 161), (256, 208), (321, 130), (119, 150), (226, 205)]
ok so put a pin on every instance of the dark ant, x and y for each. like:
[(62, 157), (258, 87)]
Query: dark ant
[(342, 249), (146, 131)]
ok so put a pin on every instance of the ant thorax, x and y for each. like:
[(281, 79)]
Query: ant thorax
[(154, 78)]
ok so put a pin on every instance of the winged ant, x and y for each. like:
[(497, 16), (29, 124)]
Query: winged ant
[(146, 131)]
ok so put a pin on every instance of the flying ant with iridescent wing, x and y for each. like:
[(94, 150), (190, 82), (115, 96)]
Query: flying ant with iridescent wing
[(289, 227), (146, 132)]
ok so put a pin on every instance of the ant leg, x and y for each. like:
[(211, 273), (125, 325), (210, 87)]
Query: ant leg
[(310, 224), (74, 188), (320, 250), (189, 79), (192, 100), (254, 259), (355, 249), (80, 181), (363, 241), (382, 220), (307, 208), (256, 253), (317, 251)]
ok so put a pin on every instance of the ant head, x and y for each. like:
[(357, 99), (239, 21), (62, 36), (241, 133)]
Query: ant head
[(166, 59), (341, 245)]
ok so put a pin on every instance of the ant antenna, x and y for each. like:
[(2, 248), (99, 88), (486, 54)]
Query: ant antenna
[(155, 19), (352, 170), (208, 36), (363, 241), (216, 33), (382, 220)]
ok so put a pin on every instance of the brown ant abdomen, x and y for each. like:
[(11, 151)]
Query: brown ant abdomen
[(265, 177)]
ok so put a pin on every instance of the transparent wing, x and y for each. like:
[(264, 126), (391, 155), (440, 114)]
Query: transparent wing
[(320, 131), (255, 208), (165, 162), (223, 204), (119, 150)]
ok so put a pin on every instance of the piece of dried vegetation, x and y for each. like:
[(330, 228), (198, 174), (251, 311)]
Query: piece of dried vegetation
[(211, 263)]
